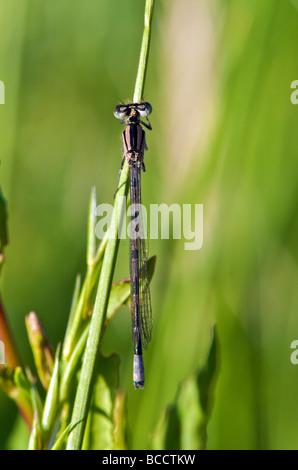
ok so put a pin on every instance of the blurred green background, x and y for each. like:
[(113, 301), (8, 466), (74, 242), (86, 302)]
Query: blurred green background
[(224, 135)]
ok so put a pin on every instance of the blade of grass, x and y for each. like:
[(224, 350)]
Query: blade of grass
[(41, 347), (141, 74), (51, 405), (84, 297), (62, 438)]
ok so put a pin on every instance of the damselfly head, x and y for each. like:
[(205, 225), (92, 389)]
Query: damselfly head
[(124, 110), (121, 111)]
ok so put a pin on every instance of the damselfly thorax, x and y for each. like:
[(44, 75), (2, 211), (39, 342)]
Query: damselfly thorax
[(133, 136)]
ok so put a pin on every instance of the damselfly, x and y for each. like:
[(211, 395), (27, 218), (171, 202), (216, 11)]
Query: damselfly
[(134, 144)]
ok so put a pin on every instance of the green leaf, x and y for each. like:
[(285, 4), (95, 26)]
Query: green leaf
[(74, 303), (35, 436), (52, 398), (42, 350), (120, 421), (183, 426), (206, 377), (106, 425), (151, 263), (15, 384), (21, 380), (60, 442), (120, 293)]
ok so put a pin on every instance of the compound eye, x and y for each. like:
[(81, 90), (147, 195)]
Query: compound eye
[(144, 109), (121, 111)]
